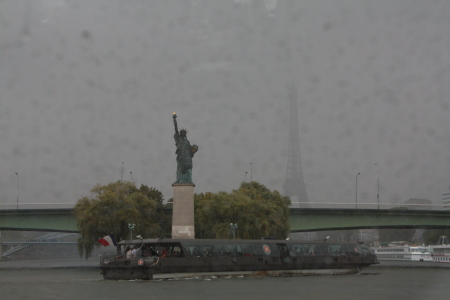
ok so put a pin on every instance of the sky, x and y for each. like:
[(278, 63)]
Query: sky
[(88, 88)]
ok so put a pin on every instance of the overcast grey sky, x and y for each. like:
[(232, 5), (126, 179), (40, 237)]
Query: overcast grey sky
[(87, 85)]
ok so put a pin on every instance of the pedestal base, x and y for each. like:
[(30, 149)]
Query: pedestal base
[(183, 211)]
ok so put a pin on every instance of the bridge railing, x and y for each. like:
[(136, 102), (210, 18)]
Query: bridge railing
[(366, 206), (293, 205), (36, 206)]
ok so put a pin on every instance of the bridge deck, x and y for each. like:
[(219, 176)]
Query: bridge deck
[(57, 220), (301, 219), (311, 219)]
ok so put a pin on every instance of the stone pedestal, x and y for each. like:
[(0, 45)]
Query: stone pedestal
[(183, 211)]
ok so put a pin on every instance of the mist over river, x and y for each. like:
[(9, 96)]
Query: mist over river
[(81, 279)]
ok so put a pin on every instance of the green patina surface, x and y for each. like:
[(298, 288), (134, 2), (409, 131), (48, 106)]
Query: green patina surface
[(185, 152), (301, 219)]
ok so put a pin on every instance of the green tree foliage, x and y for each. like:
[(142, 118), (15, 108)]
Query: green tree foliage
[(256, 210), (161, 217), (110, 208), (431, 236)]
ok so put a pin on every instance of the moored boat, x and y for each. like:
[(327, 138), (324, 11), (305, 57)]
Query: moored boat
[(175, 258), (403, 252), (441, 251), (420, 253)]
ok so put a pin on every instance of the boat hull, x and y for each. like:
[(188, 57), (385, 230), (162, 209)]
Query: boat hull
[(145, 273), (274, 258)]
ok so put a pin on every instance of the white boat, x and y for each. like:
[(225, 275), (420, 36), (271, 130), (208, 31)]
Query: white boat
[(404, 252), (441, 252), (420, 253)]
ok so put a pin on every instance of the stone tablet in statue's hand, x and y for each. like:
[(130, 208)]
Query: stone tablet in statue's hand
[(194, 149)]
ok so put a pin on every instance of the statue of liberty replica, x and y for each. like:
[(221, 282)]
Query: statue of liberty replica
[(185, 152), (183, 187)]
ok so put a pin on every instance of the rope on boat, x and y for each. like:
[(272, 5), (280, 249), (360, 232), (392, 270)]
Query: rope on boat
[(155, 263)]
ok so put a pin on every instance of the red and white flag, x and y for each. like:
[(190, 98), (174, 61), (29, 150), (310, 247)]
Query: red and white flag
[(108, 240)]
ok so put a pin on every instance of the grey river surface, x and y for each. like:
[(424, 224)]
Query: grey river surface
[(80, 279)]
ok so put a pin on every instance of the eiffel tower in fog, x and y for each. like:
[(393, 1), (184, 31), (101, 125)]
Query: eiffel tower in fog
[(294, 185)]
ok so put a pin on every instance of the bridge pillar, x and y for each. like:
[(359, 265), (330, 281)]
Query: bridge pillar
[(183, 211)]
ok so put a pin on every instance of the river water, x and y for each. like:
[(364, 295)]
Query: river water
[(80, 279)]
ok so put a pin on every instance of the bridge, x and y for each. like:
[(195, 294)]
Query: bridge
[(301, 219), (324, 219), (50, 219)]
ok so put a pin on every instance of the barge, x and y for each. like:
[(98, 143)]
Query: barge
[(181, 258)]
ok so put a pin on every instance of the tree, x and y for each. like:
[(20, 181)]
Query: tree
[(161, 217), (256, 210), (391, 235), (431, 236), (110, 208)]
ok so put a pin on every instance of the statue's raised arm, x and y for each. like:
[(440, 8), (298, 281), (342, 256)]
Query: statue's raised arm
[(184, 153), (174, 116)]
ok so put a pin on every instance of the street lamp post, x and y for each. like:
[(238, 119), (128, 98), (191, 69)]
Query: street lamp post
[(378, 185), (356, 191), (17, 174), (251, 173), (121, 173), (233, 229), (131, 176), (246, 176), (131, 227)]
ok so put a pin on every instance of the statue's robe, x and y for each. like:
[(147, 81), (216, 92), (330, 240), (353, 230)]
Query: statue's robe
[(184, 158)]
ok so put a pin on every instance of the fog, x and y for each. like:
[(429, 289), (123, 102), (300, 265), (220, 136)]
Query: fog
[(87, 85)]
